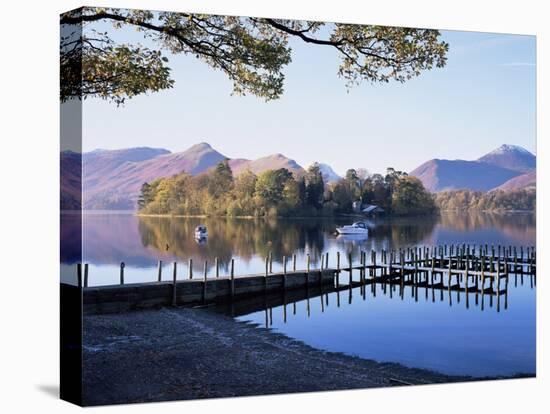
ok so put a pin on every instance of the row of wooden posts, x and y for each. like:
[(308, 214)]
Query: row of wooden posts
[(493, 259)]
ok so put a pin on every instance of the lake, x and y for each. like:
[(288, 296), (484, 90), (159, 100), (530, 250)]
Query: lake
[(436, 332)]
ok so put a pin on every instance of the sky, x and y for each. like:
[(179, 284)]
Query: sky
[(484, 97)]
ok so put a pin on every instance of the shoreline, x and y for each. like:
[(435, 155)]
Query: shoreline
[(189, 353)]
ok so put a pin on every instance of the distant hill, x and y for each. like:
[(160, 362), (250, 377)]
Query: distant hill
[(527, 180), (112, 179), (71, 180), (271, 162), (329, 175), (118, 184), (484, 174), (511, 157), (444, 175), (100, 163)]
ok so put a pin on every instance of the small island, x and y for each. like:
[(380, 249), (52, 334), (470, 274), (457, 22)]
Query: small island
[(282, 193)]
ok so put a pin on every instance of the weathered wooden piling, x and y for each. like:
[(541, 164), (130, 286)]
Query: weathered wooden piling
[(350, 261), (205, 276), (122, 265), (232, 278), (284, 272), (174, 284), (337, 269), (190, 269), (159, 271), (85, 274), (79, 274)]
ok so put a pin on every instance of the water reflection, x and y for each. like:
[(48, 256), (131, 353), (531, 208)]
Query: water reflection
[(420, 326), (465, 329), (110, 238)]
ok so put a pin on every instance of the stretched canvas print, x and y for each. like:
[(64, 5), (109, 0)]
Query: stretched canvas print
[(255, 205)]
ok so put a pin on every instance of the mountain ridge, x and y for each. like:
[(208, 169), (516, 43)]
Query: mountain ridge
[(112, 179), (484, 174)]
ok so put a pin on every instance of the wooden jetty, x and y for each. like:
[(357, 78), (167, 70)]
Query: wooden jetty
[(483, 270)]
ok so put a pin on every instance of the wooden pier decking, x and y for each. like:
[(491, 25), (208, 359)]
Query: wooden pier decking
[(463, 268)]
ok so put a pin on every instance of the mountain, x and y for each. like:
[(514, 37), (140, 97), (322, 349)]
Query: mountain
[(271, 162), (100, 163), (484, 174), (329, 176), (71, 180), (512, 157), (118, 186), (443, 175), (112, 179), (527, 180)]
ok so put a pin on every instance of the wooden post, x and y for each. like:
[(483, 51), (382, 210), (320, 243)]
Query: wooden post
[(79, 275), (308, 263), (350, 269), (232, 275), (450, 274), (190, 269), (85, 274), (270, 262), (159, 271), (174, 279), (122, 265), (498, 277), (374, 263), (362, 260), (482, 274), (217, 265), (284, 274), (204, 282), (293, 262), (266, 272), (337, 270), (326, 263)]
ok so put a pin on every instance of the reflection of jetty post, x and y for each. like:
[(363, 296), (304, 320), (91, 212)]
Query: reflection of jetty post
[(418, 267)]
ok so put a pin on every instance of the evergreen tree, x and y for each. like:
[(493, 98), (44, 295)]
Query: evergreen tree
[(315, 186), (145, 196)]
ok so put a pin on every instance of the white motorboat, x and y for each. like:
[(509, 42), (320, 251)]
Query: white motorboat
[(356, 228), (201, 232)]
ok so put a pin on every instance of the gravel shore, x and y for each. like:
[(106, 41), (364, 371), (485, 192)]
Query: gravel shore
[(181, 353)]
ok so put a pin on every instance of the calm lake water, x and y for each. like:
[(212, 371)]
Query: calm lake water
[(436, 332)]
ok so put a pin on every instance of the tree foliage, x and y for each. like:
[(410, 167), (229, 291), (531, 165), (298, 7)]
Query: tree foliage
[(410, 197), (252, 52), (280, 193), (522, 199)]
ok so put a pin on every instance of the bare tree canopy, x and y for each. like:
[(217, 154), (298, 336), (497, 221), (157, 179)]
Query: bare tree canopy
[(252, 52)]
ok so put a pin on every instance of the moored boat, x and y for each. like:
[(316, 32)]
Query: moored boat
[(201, 232), (356, 228)]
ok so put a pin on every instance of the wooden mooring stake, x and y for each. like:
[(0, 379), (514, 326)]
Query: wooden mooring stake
[(122, 265)]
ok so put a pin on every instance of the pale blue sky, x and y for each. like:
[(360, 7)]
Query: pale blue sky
[(483, 98)]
